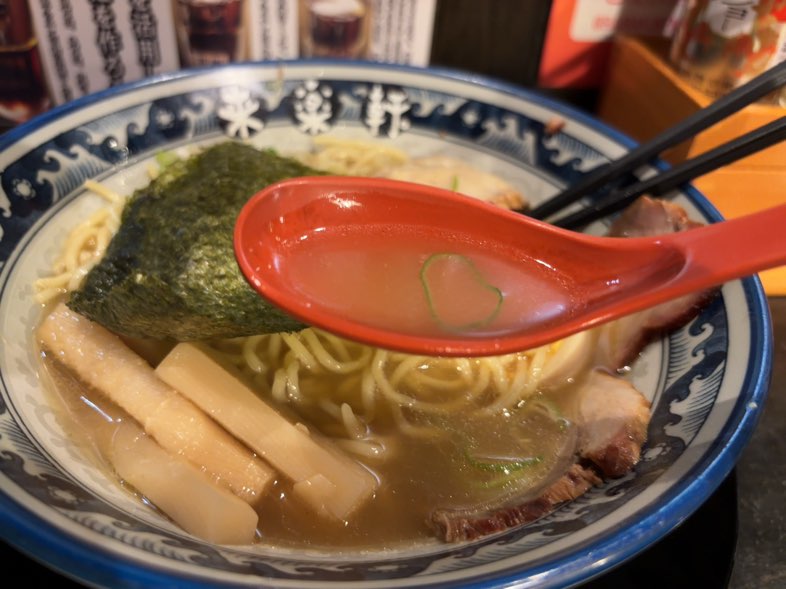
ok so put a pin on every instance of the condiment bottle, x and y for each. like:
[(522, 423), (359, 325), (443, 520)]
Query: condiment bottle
[(721, 44)]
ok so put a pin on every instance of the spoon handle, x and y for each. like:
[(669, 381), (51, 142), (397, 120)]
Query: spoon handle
[(732, 249)]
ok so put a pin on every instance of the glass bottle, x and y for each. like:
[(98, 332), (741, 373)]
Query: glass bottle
[(23, 92), (721, 44)]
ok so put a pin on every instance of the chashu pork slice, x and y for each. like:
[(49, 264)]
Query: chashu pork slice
[(612, 416), (453, 525), (621, 341)]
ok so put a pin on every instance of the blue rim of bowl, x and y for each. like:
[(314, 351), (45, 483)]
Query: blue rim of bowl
[(42, 540)]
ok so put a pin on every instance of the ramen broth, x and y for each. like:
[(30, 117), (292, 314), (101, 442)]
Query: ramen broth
[(448, 460), (423, 284)]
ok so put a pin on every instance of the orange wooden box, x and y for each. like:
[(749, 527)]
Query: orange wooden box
[(643, 95)]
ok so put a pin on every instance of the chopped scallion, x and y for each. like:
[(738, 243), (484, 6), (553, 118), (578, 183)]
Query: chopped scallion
[(164, 159), (463, 269)]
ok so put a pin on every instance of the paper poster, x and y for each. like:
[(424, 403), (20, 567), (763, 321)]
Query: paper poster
[(402, 31), (89, 45), (223, 31), (53, 51)]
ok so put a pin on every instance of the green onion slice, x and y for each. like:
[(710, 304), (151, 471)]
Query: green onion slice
[(164, 159), (503, 466), (458, 296)]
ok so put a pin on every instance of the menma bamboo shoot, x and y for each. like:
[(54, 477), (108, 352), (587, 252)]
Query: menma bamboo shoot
[(101, 360), (328, 480), (181, 490)]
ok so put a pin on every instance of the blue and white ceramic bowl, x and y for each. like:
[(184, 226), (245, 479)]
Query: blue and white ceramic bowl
[(706, 381)]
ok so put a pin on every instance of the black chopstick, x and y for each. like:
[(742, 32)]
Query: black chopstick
[(755, 89), (661, 183)]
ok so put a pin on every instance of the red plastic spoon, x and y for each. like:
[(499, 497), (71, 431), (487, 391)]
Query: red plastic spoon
[(419, 269)]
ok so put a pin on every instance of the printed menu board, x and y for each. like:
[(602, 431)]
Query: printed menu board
[(220, 31), (88, 45), (53, 51)]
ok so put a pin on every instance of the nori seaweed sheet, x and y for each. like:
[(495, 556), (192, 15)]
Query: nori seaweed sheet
[(170, 271)]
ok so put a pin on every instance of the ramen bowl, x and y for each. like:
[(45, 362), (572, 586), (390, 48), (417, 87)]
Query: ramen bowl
[(706, 381)]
